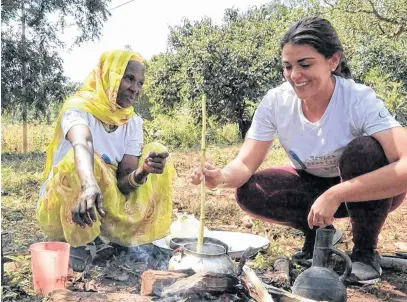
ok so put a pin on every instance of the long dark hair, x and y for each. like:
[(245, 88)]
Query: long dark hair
[(320, 34)]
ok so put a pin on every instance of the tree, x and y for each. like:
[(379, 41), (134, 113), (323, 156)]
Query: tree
[(377, 17), (31, 68), (234, 64), (374, 33)]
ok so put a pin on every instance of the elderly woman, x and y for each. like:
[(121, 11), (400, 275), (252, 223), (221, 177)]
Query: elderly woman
[(348, 154), (99, 179)]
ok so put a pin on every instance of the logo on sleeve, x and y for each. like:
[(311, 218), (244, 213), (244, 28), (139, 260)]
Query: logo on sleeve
[(384, 113)]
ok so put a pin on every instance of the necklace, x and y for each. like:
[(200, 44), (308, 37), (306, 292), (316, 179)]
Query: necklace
[(109, 128)]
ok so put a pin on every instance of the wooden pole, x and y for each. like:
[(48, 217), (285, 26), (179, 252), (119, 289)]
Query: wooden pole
[(203, 187)]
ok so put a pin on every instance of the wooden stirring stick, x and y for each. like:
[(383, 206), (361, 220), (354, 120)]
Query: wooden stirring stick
[(203, 187)]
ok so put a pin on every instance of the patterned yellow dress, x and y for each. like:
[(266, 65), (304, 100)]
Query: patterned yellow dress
[(137, 218)]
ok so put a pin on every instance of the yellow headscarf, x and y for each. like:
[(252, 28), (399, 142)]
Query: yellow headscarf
[(97, 96)]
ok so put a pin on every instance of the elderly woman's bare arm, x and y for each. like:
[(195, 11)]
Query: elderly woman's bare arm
[(129, 164), (82, 143), (130, 175)]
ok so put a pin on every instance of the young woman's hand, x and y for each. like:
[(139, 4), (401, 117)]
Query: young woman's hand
[(213, 176), (323, 210), (84, 212), (154, 162)]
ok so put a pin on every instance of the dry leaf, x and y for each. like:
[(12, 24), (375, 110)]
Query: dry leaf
[(10, 267), (90, 286)]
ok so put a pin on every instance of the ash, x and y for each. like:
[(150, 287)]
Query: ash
[(148, 256)]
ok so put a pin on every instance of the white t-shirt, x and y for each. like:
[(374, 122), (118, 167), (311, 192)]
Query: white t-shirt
[(353, 111), (126, 139)]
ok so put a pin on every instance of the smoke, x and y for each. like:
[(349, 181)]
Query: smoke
[(148, 255)]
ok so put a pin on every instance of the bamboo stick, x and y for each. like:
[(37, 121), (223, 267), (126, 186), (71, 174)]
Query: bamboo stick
[(203, 187)]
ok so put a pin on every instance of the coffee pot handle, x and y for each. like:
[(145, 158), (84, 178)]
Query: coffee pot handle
[(348, 263)]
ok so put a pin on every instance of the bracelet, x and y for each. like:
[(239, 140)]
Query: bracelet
[(132, 182), (223, 182)]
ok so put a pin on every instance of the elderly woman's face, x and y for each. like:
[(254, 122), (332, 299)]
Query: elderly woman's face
[(131, 84)]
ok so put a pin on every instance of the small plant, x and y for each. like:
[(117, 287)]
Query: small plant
[(260, 262), (17, 281)]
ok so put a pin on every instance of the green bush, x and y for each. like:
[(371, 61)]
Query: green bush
[(181, 131), (390, 92)]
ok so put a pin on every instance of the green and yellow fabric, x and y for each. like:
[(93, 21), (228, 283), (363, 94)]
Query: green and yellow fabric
[(140, 217)]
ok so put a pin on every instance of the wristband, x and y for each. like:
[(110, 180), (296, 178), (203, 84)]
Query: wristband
[(132, 181)]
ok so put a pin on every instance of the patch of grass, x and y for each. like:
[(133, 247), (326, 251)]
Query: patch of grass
[(38, 137), (18, 285), (21, 179), (20, 173)]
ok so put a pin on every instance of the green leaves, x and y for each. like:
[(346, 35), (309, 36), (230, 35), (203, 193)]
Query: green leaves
[(230, 63), (45, 20), (237, 62)]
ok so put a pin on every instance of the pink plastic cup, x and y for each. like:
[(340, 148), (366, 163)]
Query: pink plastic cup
[(50, 262)]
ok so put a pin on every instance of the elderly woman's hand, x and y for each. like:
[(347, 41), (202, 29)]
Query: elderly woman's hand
[(154, 162), (84, 212), (213, 176)]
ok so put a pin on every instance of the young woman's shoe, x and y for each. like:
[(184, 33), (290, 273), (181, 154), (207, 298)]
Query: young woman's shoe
[(365, 266)]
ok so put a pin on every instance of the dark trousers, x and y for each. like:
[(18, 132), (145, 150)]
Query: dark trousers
[(284, 195)]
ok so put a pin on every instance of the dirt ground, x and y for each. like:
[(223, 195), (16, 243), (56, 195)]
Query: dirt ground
[(223, 213), (21, 178)]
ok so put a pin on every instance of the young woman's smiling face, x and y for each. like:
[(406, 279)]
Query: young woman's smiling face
[(307, 70)]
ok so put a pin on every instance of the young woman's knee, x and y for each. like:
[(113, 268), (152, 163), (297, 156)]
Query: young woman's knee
[(362, 155), (244, 194)]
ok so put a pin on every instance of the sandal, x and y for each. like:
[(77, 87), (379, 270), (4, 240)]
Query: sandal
[(82, 256), (79, 258)]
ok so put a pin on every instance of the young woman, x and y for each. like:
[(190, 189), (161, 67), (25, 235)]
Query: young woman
[(99, 179), (348, 154)]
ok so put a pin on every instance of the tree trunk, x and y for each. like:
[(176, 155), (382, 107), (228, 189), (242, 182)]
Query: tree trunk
[(23, 80), (244, 126)]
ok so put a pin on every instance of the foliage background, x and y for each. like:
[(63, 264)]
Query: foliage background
[(234, 63)]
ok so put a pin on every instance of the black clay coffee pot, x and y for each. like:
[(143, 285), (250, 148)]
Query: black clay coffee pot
[(319, 282)]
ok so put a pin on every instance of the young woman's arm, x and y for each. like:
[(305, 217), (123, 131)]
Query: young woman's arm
[(239, 170), (385, 182)]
